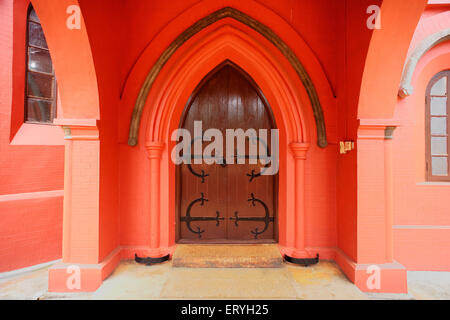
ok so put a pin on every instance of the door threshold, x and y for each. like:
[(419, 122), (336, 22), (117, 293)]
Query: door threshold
[(225, 241), (227, 256)]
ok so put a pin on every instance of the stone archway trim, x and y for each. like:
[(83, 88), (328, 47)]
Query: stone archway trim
[(406, 88), (228, 12)]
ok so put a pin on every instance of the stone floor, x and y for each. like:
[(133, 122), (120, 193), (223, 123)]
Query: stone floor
[(134, 281)]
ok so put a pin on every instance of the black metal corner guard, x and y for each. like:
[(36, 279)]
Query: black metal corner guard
[(303, 262), (151, 261)]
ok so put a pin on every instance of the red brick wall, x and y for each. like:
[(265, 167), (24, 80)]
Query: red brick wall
[(421, 208), (30, 231), (30, 223)]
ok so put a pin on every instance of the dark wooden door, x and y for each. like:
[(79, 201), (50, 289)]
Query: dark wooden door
[(226, 202)]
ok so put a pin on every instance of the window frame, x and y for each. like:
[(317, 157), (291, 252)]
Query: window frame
[(53, 99), (429, 135)]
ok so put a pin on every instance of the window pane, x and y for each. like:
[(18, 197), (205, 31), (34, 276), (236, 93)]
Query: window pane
[(439, 166), (39, 110), (40, 85), (438, 106), (33, 16), (438, 146), (36, 35), (39, 60), (439, 125), (440, 87)]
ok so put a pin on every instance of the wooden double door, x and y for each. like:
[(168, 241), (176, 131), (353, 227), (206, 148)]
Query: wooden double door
[(227, 203)]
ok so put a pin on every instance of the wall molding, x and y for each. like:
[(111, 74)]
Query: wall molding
[(406, 87)]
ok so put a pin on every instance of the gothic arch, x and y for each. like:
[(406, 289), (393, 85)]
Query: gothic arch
[(226, 43), (287, 97), (267, 33)]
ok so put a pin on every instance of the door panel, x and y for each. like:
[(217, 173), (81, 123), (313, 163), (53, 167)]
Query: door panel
[(226, 203)]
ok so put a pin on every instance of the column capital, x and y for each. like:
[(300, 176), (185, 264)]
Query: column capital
[(81, 133), (154, 149), (389, 132), (376, 129), (79, 129), (299, 150)]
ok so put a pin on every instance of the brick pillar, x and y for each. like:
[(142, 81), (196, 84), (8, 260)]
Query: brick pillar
[(299, 151), (81, 195), (154, 151), (375, 209), (371, 233), (80, 269)]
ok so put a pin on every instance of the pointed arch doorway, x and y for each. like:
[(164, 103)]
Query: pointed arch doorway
[(227, 203), (166, 101)]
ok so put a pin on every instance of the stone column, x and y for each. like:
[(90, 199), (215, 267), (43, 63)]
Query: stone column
[(299, 151), (154, 151)]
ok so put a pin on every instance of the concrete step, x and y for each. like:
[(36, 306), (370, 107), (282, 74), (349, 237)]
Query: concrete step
[(227, 256)]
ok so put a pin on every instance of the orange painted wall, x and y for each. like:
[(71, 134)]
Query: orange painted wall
[(30, 210), (421, 208)]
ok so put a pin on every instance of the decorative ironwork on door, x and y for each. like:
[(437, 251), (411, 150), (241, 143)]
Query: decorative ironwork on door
[(267, 219), (189, 219)]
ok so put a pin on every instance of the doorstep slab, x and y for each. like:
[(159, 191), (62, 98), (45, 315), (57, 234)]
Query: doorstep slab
[(227, 256)]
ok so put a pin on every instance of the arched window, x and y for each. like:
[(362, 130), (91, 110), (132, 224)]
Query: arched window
[(40, 91), (437, 127)]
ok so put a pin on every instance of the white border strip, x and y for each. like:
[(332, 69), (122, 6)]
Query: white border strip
[(420, 227), (31, 195), (18, 272)]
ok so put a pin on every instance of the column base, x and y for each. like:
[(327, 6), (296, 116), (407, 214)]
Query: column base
[(128, 253), (377, 278), (92, 275), (300, 254), (61, 277)]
